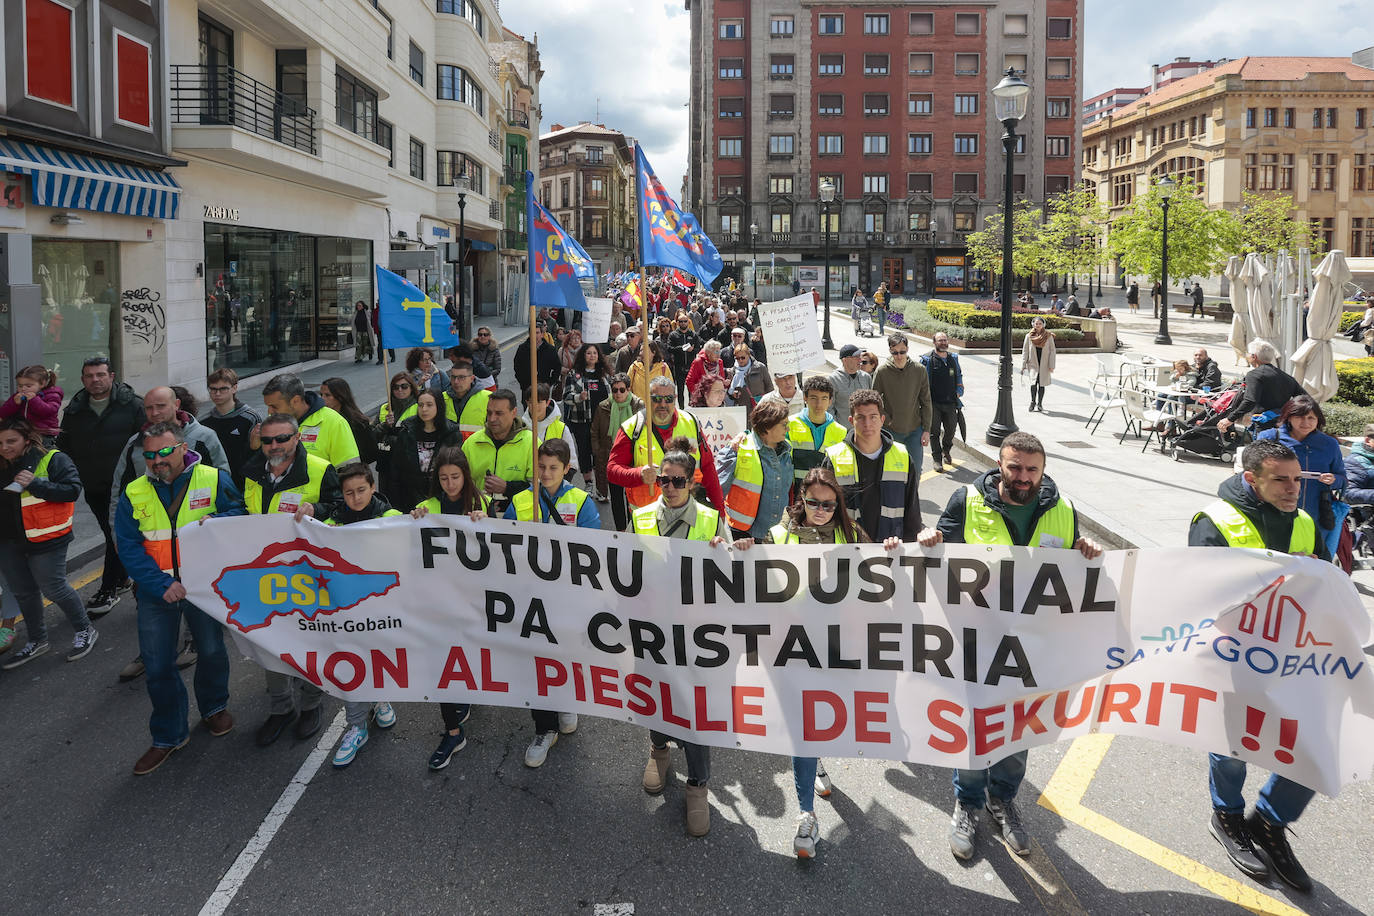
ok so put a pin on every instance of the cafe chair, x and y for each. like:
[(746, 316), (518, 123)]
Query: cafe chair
[(1141, 417)]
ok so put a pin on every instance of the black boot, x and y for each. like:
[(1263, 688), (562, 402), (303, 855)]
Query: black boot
[(1273, 843), (1228, 827)]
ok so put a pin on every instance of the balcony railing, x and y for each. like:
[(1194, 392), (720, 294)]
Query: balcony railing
[(223, 96), (494, 210), (517, 118), (921, 236), (514, 240)]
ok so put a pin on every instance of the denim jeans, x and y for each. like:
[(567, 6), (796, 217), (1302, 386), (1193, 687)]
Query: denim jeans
[(281, 691), (698, 757), (912, 441), (804, 775), (357, 711), (1000, 781), (159, 628), (882, 320), (35, 576), (1281, 801)]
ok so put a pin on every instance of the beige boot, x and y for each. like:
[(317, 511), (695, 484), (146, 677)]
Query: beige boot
[(698, 811), (656, 771)]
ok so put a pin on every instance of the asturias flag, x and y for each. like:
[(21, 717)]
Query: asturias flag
[(555, 257), (668, 236), (406, 315)]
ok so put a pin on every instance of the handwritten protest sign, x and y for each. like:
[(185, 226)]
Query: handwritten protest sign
[(596, 321), (720, 425), (790, 334)]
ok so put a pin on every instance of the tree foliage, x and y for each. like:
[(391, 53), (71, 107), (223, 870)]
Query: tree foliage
[(1200, 239), (1028, 241), (1072, 233), (1266, 225)]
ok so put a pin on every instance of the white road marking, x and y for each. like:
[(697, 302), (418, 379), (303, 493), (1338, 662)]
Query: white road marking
[(238, 873), (614, 909)]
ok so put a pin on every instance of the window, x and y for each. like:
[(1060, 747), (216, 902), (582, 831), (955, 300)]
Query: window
[(133, 81), (565, 189), (829, 103), (546, 194), (1015, 24), (385, 134), (875, 144), (875, 65), (1271, 117), (965, 103), (781, 66), (595, 154), (1018, 183), (919, 182), (964, 220), (1016, 61), (417, 63), (875, 24), (1323, 172), (875, 184), (732, 68), (966, 64), (965, 182), (781, 107), (596, 227), (918, 103), (355, 104), (1289, 118), (830, 144), (1056, 147), (447, 167), (1316, 117), (781, 223), (49, 32), (417, 159), (1123, 190), (1020, 148), (457, 85), (1059, 28), (1357, 237), (1324, 229), (779, 184), (732, 107), (1286, 173), (731, 28), (1186, 168), (875, 104), (831, 64), (1059, 68), (917, 222), (1056, 184), (920, 24), (1268, 177), (731, 186), (1250, 117), (1331, 117), (920, 63), (1058, 108), (596, 188), (918, 144), (781, 144), (390, 34), (731, 147), (781, 27), (1358, 174), (1251, 171), (875, 222), (967, 24), (1360, 118), (965, 144), (831, 25), (730, 223)]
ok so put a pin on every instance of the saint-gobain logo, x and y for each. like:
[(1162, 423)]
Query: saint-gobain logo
[(1269, 622), (296, 577)]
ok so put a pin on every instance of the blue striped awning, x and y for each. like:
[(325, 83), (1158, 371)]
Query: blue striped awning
[(72, 181)]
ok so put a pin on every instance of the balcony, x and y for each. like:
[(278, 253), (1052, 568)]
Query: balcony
[(780, 238), (517, 118), (515, 178), (224, 97), (921, 236), (494, 210), (515, 241)]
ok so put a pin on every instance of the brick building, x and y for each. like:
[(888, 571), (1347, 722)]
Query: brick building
[(587, 182), (891, 101)]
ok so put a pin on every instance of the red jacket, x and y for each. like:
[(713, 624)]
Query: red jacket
[(41, 410), (620, 469), (698, 370)]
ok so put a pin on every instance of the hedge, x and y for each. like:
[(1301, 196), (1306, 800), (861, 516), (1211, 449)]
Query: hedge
[(1346, 419), (1356, 378), (1350, 319), (965, 315), (920, 318)]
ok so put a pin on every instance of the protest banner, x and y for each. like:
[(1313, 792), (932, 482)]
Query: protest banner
[(790, 334), (596, 321), (720, 425), (955, 656)]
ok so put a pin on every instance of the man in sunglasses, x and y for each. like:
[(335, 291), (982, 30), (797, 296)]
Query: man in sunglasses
[(177, 490), (323, 431), (905, 387)]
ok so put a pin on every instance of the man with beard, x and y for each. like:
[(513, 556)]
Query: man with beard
[(1012, 504)]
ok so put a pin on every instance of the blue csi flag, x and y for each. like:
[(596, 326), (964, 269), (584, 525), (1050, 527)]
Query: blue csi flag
[(668, 237), (407, 316), (556, 257)]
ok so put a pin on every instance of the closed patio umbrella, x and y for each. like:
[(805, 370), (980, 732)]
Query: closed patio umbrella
[(1313, 364), (1264, 321), (1240, 315)]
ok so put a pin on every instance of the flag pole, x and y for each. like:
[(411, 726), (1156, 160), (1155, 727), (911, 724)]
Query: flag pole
[(534, 350), (646, 354)]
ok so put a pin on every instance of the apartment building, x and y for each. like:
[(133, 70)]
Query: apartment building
[(891, 103), (519, 74), (1104, 102), (587, 183)]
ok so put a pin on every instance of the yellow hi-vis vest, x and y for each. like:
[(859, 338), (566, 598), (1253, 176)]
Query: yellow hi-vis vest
[(799, 434), (891, 484), (326, 434), (704, 527), (474, 415), (568, 505), (433, 506), (287, 500), (159, 533), (746, 489), (782, 535), (639, 429), (513, 462), (44, 520), (1240, 532), (982, 525), (387, 514)]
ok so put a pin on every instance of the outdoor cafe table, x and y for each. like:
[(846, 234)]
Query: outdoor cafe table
[(1178, 400)]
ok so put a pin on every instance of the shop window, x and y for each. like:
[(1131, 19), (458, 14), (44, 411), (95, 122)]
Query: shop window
[(80, 301)]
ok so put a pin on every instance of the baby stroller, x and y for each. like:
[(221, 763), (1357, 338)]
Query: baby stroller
[(865, 318), (1202, 438)]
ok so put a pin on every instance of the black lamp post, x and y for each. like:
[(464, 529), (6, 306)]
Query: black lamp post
[(827, 191), (1009, 99), (464, 320), (753, 257), (1097, 242), (1166, 188)]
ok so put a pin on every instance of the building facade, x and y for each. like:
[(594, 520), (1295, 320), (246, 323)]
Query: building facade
[(587, 182), (889, 101), (1298, 126), (1104, 102), (519, 75)]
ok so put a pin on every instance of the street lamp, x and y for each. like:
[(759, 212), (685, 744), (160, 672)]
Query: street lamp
[(1097, 244), (753, 258), (1009, 100), (827, 198), (1166, 187), (934, 242), (462, 183)]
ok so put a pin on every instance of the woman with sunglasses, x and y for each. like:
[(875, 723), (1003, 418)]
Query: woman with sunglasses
[(675, 514), (818, 516), (399, 400)]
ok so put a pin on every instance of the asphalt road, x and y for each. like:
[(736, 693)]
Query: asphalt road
[(488, 835)]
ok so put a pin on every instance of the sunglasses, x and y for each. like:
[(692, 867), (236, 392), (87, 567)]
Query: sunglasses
[(400, 387), (901, 352), (675, 481), (279, 440), (741, 356), (162, 452), (820, 505), (661, 398)]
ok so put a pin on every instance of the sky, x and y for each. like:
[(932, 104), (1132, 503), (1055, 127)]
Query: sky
[(625, 64)]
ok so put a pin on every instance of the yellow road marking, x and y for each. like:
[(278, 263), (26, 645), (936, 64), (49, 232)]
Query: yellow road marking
[(949, 466), (1064, 796), (1047, 883)]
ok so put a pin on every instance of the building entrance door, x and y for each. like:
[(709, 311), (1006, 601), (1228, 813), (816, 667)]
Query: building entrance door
[(892, 275)]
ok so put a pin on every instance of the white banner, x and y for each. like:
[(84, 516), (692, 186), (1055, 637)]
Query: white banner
[(596, 321), (790, 334), (720, 425), (956, 656)]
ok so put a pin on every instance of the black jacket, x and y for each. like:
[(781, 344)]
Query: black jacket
[(1274, 525), (548, 365), (62, 486), (331, 497), (1209, 374), (864, 499), (94, 443), (409, 484), (951, 523), (1267, 387), (374, 509)]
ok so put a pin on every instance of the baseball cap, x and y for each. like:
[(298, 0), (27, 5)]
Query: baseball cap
[(849, 350)]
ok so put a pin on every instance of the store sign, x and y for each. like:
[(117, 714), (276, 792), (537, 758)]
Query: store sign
[(222, 213), (949, 273)]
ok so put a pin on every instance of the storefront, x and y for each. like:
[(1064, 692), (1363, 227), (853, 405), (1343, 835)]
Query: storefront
[(951, 273), (79, 296)]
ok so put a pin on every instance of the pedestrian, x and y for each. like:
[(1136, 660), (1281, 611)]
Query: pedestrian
[(1037, 361), (1133, 296), (178, 490), (1156, 298), (417, 439), (627, 350), (638, 448), (880, 296), (39, 487), (37, 399), (547, 363), (452, 492), (859, 311), (708, 363), (1197, 308), (748, 381), (424, 371), (584, 388), (543, 416), (377, 332), (1014, 504), (675, 514), (637, 373), (1208, 372), (362, 332), (487, 351), (1301, 427), (756, 474), (96, 426), (881, 483), (231, 420), (905, 387), (337, 395), (501, 453), (786, 393), (849, 378), (1259, 508), (683, 345), (567, 360), (323, 432), (946, 391), (558, 503), (361, 503), (613, 413)]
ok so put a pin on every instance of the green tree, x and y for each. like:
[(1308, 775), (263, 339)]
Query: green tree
[(1266, 225), (1071, 237), (1027, 246), (1200, 239)]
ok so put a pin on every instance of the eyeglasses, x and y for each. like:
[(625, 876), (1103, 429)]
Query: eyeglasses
[(402, 387), (820, 505), (661, 398), (278, 440), (676, 482), (619, 389), (220, 389), (162, 452), (901, 352)]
